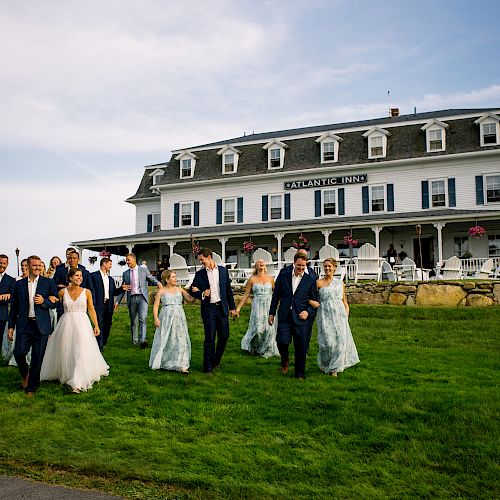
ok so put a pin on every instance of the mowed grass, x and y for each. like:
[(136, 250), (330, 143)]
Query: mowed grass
[(417, 418)]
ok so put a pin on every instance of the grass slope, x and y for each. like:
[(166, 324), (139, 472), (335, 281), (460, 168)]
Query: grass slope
[(418, 417)]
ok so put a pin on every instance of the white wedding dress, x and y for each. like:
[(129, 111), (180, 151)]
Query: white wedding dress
[(72, 355)]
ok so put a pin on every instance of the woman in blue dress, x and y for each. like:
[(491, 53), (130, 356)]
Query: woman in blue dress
[(260, 338), (337, 350), (171, 348)]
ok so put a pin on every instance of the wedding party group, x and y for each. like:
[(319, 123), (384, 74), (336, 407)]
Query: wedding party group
[(58, 320)]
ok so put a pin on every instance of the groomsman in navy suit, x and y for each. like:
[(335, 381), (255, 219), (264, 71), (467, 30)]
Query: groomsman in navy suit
[(6, 290), (212, 286), (61, 276), (29, 315), (104, 293), (293, 290)]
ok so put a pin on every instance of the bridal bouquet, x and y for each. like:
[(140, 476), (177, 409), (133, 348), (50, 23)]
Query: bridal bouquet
[(477, 232)]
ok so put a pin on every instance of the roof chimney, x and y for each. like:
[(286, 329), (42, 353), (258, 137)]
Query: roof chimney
[(394, 112)]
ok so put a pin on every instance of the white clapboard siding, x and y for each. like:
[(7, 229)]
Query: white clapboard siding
[(142, 209)]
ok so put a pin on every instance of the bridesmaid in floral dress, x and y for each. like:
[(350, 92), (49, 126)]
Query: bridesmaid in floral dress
[(337, 350), (260, 338)]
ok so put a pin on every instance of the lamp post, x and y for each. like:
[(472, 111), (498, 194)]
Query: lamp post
[(17, 257), (418, 228)]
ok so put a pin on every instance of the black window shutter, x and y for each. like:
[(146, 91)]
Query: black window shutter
[(341, 201), (287, 206), (390, 197), (218, 216), (196, 213), (425, 194), (265, 205), (176, 215), (452, 196), (240, 210), (317, 203), (479, 190), (365, 200), (150, 223)]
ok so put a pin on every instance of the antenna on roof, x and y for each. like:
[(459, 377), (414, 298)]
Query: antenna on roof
[(389, 101), (415, 110), (244, 134)]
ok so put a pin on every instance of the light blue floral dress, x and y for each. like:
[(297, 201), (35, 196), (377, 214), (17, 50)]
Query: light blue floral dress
[(337, 350), (260, 337), (171, 348)]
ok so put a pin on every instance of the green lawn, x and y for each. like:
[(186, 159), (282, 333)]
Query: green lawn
[(417, 418)]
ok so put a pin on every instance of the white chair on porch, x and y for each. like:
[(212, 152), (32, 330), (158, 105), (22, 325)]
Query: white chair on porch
[(289, 255), (388, 273), (452, 269), (328, 251), (368, 263), (485, 271), (261, 254), (179, 265), (408, 270), (217, 259)]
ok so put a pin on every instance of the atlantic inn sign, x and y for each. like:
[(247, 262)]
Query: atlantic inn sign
[(326, 181)]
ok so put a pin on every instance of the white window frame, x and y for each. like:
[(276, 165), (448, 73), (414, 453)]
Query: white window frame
[(491, 237), (329, 138), (336, 201), (235, 201), (485, 188), (183, 162), (431, 127), (275, 145), (487, 119), (157, 218), (282, 207), (155, 175), (377, 132), (497, 127), (224, 153), (431, 203), (191, 205), (465, 238), (370, 198), (183, 157)]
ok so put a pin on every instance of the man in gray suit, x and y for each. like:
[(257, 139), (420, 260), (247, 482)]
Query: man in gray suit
[(135, 283)]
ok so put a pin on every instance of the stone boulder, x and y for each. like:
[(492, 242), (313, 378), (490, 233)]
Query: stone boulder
[(365, 298), (404, 288), (397, 299), (439, 295), (478, 300)]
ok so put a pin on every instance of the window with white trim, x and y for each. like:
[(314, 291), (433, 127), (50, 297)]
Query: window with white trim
[(156, 222), (494, 245), (328, 151), (229, 165), (186, 214), (376, 146), (156, 179), (438, 193), (492, 188), (435, 140), (329, 147), (274, 157), (460, 246), (276, 205), (329, 202), (377, 198), (229, 210), (489, 133), (186, 168), (435, 135)]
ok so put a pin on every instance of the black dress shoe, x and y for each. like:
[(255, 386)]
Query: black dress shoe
[(144, 344)]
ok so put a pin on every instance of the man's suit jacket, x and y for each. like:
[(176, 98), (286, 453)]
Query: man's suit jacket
[(6, 286), (61, 277), (289, 301), (98, 285), (201, 282), (19, 308), (144, 277)]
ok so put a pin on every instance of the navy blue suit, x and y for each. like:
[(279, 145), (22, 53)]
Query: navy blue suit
[(290, 326), (61, 278), (104, 310), (6, 286), (214, 316), (31, 333)]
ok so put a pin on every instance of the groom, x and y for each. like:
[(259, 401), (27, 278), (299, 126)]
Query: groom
[(212, 286), (293, 290), (29, 314)]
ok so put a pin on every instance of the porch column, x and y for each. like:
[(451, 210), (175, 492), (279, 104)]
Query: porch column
[(223, 242), (326, 233), (171, 245), (439, 226), (279, 237), (130, 247), (376, 230)]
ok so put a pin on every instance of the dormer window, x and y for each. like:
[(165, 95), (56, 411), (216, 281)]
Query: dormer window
[(275, 154), (187, 162), (329, 144), (377, 142), (156, 176), (230, 157), (435, 136), (489, 129)]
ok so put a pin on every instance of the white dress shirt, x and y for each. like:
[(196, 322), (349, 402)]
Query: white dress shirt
[(105, 282), (1, 276), (296, 281), (213, 279), (134, 280), (31, 293)]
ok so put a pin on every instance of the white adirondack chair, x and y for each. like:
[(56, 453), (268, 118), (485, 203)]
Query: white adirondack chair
[(217, 258), (179, 265), (485, 271), (452, 269), (387, 272), (328, 251), (408, 270), (368, 263), (259, 254), (289, 255)]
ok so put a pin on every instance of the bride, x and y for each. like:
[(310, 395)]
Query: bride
[(72, 354)]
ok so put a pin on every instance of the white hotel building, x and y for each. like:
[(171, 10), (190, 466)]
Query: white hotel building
[(376, 179)]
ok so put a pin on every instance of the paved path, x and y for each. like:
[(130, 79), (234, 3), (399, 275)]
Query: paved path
[(13, 488)]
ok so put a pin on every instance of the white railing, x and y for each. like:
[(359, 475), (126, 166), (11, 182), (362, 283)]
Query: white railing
[(472, 265)]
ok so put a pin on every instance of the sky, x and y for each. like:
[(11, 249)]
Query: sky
[(91, 92)]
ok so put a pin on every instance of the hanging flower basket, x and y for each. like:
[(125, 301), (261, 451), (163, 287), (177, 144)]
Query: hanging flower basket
[(92, 259), (248, 247), (104, 253), (301, 243), (477, 232), (349, 240), (195, 247)]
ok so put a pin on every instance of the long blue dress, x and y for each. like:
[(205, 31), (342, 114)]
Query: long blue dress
[(260, 338), (171, 348), (337, 350)]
